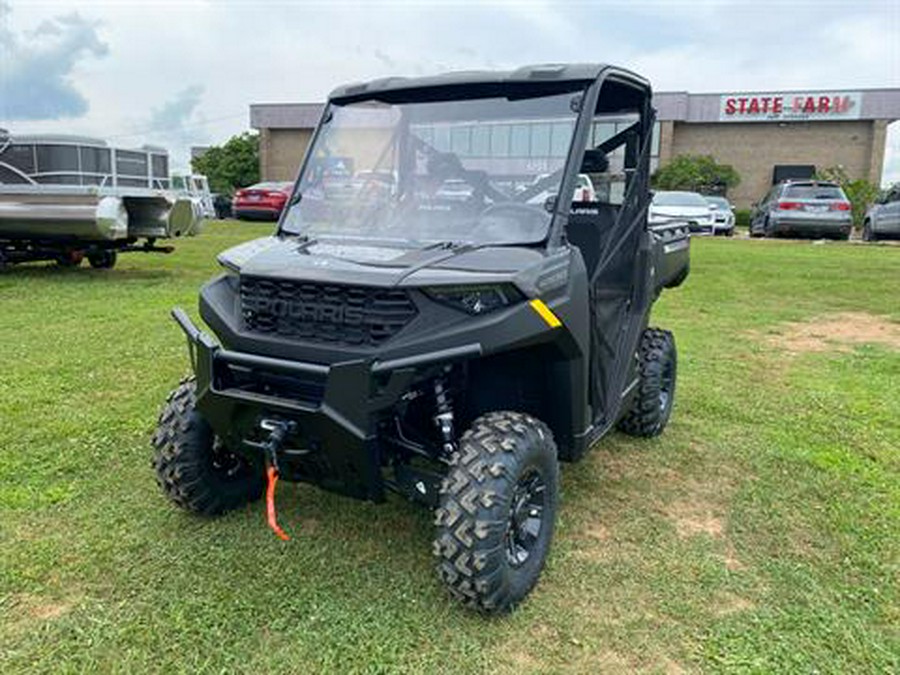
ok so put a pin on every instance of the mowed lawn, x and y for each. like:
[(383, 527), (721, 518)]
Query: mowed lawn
[(760, 533)]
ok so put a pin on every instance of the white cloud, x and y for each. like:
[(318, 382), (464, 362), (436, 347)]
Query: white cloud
[(35, 78)]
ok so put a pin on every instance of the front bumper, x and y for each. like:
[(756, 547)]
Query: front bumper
[(333, 406)]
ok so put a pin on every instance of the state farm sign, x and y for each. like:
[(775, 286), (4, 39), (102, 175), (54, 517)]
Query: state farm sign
[(790, 107)]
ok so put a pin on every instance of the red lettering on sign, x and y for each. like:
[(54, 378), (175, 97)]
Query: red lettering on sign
[(743, 105), (824, 104), (754, 106), (778, 105), (810, 105), (842, 104), (730, 107), (765, 103)]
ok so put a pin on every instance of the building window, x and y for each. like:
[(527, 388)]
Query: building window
[(603, 131), (654, 140), (426, 134), (481, 141), (442, 139), (500, 140), (519, 140), (540, 140), (560, 137), (459, 140)]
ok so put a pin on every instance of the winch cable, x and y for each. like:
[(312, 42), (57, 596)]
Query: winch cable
[(278, 432), (271, 482)]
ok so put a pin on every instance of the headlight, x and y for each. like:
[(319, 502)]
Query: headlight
[(475, 299)]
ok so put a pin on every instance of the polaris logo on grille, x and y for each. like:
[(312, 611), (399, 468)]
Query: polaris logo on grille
[(306, 311)]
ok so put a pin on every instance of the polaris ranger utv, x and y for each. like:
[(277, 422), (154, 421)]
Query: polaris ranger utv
[(436, 317)]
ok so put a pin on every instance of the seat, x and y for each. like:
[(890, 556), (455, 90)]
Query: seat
[(590, 231)]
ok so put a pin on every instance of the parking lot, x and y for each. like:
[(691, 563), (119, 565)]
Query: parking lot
[(759, 533)]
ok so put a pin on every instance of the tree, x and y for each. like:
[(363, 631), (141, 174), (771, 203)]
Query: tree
[(232, 165), (696, 173), (861, 193)]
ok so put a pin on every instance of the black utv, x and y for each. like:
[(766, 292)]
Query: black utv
[(456, 299)]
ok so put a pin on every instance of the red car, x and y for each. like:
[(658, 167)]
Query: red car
[(263, 201)]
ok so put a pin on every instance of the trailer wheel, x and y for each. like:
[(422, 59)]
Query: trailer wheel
[(497, 511), (102, 260), (652, 404), (193, 468)]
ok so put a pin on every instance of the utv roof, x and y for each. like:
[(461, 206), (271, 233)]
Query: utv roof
[(548, 73)]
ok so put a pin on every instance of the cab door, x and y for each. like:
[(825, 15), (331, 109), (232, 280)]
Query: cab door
[(611, 232)]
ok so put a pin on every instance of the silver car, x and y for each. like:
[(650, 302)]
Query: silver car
[(723, 215), (803, 208), (690, 207), (883, 219)]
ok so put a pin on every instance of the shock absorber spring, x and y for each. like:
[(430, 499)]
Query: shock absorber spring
[(444, 417)]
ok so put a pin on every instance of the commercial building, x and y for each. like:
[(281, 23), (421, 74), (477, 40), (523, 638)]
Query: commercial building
[(761, 134)]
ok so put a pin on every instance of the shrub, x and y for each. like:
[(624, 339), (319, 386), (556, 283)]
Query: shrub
[(742, 217), (861, 193), (696, 173)]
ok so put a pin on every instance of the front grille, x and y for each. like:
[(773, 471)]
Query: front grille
[(349, 315)]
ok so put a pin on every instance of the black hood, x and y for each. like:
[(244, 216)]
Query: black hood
[(379, 263)]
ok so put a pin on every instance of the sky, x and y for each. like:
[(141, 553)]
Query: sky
[(185, 73)]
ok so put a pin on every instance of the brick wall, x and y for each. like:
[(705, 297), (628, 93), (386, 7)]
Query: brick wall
[(754, 148)]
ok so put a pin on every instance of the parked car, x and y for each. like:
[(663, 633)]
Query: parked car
[(804, 208), (883, 219), (690, 207), (222, 205), (263, 201), (584, 190), (723, 215)]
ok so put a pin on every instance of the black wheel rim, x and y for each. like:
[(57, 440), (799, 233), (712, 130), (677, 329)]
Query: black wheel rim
[(667, 382), (224, 461), (526, 517)]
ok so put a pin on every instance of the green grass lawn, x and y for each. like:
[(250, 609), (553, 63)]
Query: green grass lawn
[(760, 533)]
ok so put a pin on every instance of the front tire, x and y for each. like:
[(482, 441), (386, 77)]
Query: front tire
[(497, 511), (193, 468), (868, 234), (652, 405), (753, 232)]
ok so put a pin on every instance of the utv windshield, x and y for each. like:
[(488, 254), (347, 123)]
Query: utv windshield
[(477, 170)]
